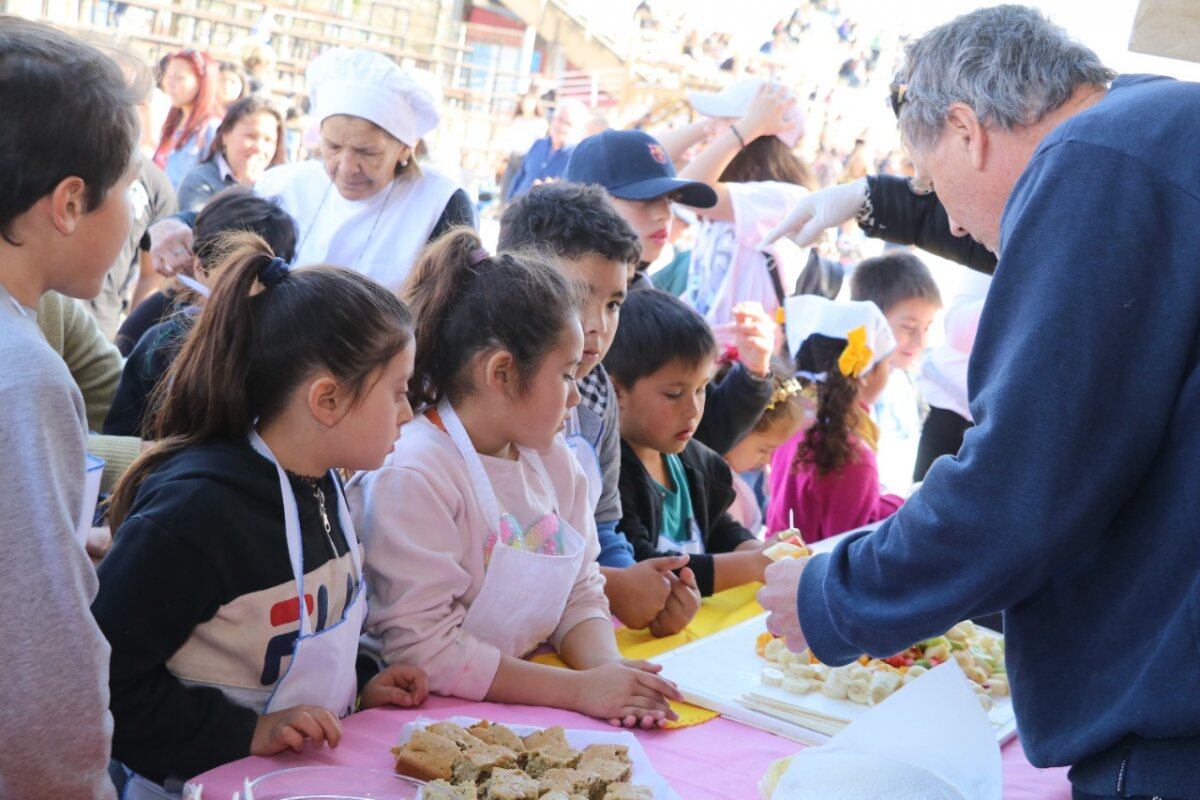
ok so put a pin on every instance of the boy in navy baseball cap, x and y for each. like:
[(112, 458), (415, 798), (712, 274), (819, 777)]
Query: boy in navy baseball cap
[(640, 180)]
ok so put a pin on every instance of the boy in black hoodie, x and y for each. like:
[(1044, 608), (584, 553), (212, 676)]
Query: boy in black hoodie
[(674, 491)]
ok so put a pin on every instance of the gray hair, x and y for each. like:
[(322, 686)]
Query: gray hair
[(1009, 63)]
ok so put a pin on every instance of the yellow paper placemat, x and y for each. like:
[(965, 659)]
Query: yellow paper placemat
[(721, 611)]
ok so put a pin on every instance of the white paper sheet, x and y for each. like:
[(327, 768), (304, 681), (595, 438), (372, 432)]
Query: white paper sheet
[(931, 741), (643, 772)]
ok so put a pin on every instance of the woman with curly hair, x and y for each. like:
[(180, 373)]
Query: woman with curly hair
[(826, 478)]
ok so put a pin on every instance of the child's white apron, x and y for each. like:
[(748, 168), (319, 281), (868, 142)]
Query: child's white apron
[(524, 593)]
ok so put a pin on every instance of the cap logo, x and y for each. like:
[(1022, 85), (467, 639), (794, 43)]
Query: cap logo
[(657, 153)]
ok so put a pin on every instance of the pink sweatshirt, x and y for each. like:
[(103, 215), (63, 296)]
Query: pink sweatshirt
[(826, 505), (424, 533)]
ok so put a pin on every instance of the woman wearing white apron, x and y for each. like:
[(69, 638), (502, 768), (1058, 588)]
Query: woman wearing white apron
[(364, 204), (480, 536), (233, 597)]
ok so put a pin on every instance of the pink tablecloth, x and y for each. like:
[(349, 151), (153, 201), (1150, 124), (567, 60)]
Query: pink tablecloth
[(719, 759)]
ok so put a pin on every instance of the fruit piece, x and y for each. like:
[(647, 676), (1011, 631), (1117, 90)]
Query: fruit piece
[(772, 676)]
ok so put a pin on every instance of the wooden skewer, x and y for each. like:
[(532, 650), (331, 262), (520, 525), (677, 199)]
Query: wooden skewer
[(827, 727)]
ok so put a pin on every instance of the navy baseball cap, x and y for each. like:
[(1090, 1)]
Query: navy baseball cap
[(632, 165)]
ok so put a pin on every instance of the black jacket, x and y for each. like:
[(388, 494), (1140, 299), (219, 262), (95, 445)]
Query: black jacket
[(732, 408), (903, 216), (205, 530), (144, 368), (711, 486)]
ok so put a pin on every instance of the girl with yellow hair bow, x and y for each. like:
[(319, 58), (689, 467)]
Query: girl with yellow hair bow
[(826, 477)]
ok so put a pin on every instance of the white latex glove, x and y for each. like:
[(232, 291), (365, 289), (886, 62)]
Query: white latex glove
[(818, 211), (171, 247), (778, 596)]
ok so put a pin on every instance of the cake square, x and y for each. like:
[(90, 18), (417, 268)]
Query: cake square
[(426, 756), (443, 790), (612, 752), (608, 770), (491, 733), (476, 764), (628, 791), (510, 784), (554, 737), (571, 781), (455, 733), (538, 762)]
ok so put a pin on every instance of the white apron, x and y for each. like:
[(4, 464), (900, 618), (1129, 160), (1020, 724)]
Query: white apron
[(322, 670), (524, 593), (587, 457), (380, 237)]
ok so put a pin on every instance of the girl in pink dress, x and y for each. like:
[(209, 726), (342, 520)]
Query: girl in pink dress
[(826, 477)]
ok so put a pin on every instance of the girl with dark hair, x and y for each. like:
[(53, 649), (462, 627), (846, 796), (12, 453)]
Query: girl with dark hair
[(225, 642), (787, 413), (481, 537), (192, 80), (248, 141), (234, 86), (750, 163), (235, 209), (826, 477)]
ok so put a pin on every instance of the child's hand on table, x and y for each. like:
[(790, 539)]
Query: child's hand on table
[(401, 685), (626, 693), (638, 594), (681, 606), (289, 728)]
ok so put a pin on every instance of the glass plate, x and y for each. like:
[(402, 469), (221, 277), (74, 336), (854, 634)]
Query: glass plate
[(333, 783)]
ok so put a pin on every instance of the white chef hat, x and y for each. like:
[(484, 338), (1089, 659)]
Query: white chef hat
[(362, 83), (815, 325), (734, 99)]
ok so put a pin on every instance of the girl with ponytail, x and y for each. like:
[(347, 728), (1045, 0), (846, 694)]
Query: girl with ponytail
[(233, 597), (481, 538)]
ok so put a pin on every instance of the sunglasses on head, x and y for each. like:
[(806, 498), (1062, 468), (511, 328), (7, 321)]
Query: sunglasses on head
[(897, 94)]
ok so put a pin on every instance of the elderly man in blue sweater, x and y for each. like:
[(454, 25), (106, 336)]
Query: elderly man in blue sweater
[(1074, 504)]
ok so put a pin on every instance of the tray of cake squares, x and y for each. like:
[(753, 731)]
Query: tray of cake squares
[(746, 674), (469, 759)]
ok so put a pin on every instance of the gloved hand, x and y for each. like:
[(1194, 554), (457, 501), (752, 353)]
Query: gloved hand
[(818, 211)]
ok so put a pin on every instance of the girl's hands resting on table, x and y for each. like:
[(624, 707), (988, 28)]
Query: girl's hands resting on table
[(291, 727), (627, 693), (401, 685)]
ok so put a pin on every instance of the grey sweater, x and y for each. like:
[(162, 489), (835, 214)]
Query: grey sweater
[(54, 719)]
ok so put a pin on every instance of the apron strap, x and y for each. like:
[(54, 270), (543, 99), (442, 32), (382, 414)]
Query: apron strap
[(478, 475), (475, 471), (348, 532), (291, 527), (535, 460)]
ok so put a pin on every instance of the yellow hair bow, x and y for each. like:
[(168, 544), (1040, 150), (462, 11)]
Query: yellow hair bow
[(855, 359)]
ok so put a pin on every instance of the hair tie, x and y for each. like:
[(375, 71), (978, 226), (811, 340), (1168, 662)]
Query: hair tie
[(274, 272), (478, 255)]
